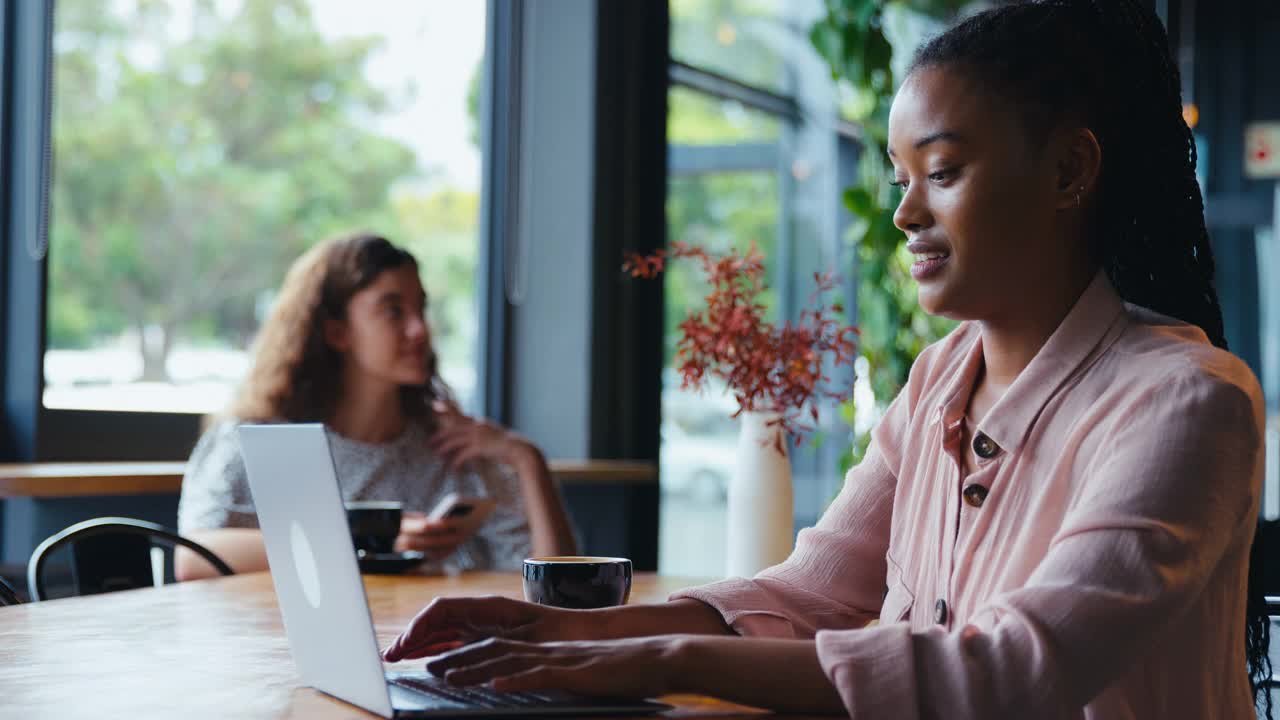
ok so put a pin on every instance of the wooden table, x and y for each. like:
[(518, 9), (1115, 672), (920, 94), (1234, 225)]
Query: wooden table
[(214, 648), (48, 480)]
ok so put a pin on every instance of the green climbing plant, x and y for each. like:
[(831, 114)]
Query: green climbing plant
[(858, 39)]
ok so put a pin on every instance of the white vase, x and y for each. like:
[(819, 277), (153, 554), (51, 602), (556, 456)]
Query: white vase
[(760, 498)]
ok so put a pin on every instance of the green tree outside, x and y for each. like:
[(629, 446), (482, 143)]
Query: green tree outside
[(192, 167)]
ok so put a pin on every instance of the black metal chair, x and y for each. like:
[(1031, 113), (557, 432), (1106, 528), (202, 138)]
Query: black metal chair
[(109, 554), (8, 596), (1264, 568)]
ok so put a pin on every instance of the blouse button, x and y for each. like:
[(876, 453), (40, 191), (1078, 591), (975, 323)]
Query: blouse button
[(975, 495), (940, 612), (985, 447)]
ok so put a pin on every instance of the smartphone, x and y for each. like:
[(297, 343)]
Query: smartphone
[(468, 513)]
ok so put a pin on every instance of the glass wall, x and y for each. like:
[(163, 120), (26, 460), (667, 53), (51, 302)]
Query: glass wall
[(200, 146), (755, 155)]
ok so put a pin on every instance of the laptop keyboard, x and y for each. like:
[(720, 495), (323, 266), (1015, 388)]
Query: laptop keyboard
[(475, 696)]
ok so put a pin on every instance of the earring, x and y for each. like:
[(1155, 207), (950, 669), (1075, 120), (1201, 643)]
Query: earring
[(1078, 193)]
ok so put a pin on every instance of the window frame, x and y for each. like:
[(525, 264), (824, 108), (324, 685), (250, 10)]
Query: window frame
[(24, 172)]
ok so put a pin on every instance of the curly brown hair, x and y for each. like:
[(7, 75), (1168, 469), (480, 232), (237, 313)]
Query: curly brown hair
[(296, 375)]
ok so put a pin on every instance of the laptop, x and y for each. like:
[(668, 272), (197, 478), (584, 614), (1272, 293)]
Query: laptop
[(322, 600)]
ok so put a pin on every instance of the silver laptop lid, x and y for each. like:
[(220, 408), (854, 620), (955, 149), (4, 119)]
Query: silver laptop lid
[(313, 563)]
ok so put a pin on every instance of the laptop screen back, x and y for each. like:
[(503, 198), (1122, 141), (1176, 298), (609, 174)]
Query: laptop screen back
[(313, 563)]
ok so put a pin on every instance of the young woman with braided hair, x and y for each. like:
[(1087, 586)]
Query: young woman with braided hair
[(1054, 518)]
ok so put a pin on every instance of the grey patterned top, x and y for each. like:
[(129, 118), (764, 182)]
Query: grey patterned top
[(215, 489)]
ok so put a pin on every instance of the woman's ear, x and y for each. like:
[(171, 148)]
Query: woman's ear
[(1079, 164), (336, 334)]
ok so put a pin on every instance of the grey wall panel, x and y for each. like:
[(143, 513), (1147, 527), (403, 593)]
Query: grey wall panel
[(549, 280)]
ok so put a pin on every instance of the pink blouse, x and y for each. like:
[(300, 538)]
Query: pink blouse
[(1092, 566)]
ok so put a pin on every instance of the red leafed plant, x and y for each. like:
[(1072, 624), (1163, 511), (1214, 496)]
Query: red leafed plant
[(768, 368)]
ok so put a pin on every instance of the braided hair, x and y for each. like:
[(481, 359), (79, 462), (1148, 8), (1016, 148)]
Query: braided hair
[(1106, 64)]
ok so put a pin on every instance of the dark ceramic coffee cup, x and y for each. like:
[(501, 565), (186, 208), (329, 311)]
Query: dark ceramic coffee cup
[(578, 582), (374, 524)]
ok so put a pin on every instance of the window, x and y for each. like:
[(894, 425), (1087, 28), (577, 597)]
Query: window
[(752, 41), (756, 153), (200, 147)]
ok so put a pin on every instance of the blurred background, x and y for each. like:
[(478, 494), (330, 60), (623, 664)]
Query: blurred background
[(518, 148)]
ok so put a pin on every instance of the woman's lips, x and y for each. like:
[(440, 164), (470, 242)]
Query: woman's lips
[(927, 265)]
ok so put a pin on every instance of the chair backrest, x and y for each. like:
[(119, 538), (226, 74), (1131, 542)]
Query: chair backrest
[(110, 553), (8, 596)]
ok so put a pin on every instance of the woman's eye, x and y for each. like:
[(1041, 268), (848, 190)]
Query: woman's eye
[(941, 175), (900, 184), (393, 312)]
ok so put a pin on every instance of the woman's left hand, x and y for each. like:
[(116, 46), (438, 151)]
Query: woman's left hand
[(632, 668), (775, 673), (459, 438)]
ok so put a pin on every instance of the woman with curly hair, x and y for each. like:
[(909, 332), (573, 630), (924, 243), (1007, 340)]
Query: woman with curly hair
[(348, 345)]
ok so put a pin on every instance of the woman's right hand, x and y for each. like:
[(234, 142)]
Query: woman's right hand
[(450, 623), (437, 538)]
